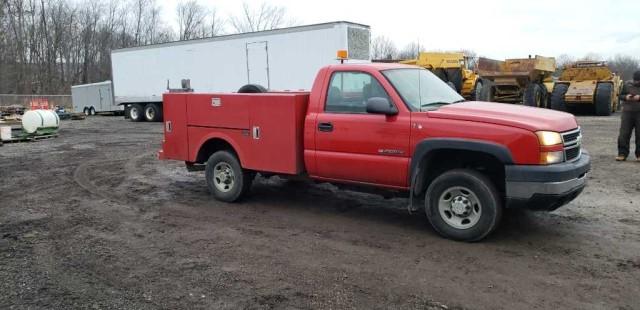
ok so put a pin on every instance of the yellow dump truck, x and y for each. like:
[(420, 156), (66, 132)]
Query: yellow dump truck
[(452, 68), (587, 84), (523, 80)]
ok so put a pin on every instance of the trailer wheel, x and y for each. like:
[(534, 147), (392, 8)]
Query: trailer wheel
[(92, 111), (226, 179), (136, 113), (602, 102), (252, 89), (534, 96), (557, 101), (152, 112), (86, 111), (463, 205)]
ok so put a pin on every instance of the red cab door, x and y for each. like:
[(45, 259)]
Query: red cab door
[(355, 146)]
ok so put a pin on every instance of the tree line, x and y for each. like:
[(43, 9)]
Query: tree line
[(48, 45), (383, 48)]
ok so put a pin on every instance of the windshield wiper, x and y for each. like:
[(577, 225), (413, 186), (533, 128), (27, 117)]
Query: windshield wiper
[(458, 101), (435, 103)]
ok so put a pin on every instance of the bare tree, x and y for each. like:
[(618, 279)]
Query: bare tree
[(592, 57), (410, 51), (624, 65), (191, 17), (215, 24), (383, 48), (562, 61), (48, 45), (265, 17)]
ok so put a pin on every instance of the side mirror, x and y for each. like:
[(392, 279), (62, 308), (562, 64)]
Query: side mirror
[(379, 105)]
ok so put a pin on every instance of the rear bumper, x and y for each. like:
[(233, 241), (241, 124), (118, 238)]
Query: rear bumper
[(546, 187)]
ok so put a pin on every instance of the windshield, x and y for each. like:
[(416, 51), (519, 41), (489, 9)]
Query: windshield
[(421, 89)]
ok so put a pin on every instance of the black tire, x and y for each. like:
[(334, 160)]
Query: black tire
[(86, 111), (488, 201), (252, 89), (602, 100), (488, 91), (557, 101), (545, 96), (534, 96), (455, 76), (92, 111), (476, 94), (136, 113), (152, 112), (241, 178)]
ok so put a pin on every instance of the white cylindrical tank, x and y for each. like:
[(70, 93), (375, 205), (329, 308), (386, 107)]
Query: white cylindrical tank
[(33, 120)]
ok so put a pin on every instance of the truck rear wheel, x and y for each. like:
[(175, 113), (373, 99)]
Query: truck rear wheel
[(534, 96), (152, 112), (463, 205), (226, 179), (136, 113), (557, 101), (92, 111), (602, 102)]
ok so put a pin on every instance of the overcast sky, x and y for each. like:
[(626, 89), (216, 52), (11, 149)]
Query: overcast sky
[(492, 28)]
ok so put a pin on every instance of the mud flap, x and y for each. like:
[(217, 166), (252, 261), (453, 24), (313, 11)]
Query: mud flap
[(414, 178)]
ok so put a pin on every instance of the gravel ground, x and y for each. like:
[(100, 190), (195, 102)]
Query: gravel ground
[(92, 220)]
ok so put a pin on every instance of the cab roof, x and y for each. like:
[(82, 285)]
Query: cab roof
[(374, 65)]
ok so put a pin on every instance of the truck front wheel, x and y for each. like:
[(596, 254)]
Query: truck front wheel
[(463, 205), (226, 179)]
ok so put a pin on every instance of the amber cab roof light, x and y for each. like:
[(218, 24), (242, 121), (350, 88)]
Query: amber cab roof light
[(342, 55)]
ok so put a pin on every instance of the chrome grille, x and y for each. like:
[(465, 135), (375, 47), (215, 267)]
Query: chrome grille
[(572, 144)]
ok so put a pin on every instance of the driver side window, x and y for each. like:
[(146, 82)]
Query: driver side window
[(349, 92)]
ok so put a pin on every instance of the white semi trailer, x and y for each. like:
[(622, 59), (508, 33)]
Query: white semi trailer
[(281, 59)]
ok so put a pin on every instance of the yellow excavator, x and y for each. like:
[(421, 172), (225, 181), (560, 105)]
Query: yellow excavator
[(454, 69), (587, 84)]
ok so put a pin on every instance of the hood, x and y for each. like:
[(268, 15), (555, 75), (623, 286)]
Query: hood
[(524, 117)]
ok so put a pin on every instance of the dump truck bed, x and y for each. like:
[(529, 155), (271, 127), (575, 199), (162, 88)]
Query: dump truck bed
[(509, 68)]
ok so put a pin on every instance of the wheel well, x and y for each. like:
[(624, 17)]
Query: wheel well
[(212, 146), (439, 161)]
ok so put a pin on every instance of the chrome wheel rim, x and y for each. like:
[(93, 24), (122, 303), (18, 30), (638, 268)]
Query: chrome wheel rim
[(459, 207), (134, 113), (150, 113), (223, 177)]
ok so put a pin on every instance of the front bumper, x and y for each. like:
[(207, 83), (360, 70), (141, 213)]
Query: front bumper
[(546, 187)]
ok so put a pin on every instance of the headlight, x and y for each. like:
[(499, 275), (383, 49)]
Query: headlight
[(547, 158), (548, 138)]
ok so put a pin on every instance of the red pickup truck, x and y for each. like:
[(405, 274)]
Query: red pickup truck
[(394, 128)]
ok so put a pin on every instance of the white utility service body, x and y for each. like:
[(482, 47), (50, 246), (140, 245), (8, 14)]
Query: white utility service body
[(281, 59)]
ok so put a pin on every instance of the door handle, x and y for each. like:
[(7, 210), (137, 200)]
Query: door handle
[(325, 127)]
